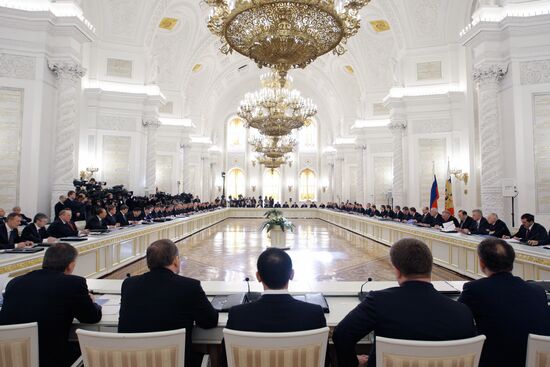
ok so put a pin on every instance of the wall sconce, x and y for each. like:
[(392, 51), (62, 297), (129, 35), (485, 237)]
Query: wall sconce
[(253, 188), (290, 188), (461, 176)]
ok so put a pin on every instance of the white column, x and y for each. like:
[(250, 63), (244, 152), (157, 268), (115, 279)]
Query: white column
[(397, 127), (152, 126), (338, 179), (205, 194), (361, 176), (65, 166), (488, 78), (185, 183)]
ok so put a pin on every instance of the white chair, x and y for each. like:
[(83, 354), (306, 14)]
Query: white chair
[(538, 351), (160, 349), (297, 349), (399, 353), (19, 345)]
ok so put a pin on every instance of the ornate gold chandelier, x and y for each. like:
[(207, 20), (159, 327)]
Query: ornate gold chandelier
[(276, 110), (273, 148), (284, 34), (272, 163)]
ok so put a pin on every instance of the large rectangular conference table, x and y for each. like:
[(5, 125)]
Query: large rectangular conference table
[(102, 254), (341, 298)]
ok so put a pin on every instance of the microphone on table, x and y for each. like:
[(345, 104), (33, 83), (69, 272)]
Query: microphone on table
[(250, 296), (362, 295)]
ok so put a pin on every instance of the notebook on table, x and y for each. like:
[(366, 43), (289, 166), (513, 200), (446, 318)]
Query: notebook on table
[(24, 250), (73, 239)]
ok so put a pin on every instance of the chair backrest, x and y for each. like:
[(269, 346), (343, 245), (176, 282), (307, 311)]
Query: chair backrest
[(538, 351), (399, 353), (161, 349), (19, 345), (297, 349)]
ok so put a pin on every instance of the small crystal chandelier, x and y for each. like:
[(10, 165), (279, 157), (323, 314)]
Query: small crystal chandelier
[(276, 109), (273, 147), (284, 34)]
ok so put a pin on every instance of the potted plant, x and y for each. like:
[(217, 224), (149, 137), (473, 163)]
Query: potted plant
[(276, 226)]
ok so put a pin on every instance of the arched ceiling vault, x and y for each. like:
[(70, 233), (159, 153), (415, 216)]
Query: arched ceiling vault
[(211, 84)]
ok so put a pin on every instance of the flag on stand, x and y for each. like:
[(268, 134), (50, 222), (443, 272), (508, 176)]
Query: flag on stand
[(434, 195), (449, 203)]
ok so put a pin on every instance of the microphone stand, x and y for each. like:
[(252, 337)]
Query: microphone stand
[(362, 295), (251, 296)]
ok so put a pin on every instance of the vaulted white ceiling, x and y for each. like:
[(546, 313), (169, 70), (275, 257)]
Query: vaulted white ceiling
[(212, 94)]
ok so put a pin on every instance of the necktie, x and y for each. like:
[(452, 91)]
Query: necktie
[(527, 233), (13, 234)]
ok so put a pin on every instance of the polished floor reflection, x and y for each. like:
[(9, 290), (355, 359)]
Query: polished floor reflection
[(319, 251)]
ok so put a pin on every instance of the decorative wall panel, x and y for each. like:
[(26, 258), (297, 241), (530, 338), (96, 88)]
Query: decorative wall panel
[(17, 66), (432, 152), (164, 173), (117, 123), (382, 179), (119, 68), (11, 110), (116, 160), (542, 152), (429, 70), (534, 72)]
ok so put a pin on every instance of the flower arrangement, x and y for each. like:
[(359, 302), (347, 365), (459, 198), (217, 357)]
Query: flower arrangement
[(274, 219)]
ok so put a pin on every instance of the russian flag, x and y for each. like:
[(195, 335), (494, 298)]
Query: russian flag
[(434, 195)]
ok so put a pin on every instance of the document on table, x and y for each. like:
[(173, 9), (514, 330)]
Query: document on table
[(109, 300)]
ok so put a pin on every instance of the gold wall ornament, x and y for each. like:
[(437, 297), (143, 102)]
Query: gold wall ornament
[(284, 34), (380, 26), (196, 68), (168, 23), (349, 69)]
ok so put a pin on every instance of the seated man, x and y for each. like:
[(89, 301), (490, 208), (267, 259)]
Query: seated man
[(52, 297), (416, 216), (122, 216), (466, 221), (285, 205), (432, 219), (448, 217), (531, 232), (497, 228), (110, 218), (63, 226), (276, 311), (161, 300), (97, 222), (36, 231), (9, 233), (506, 308), (2, 215), (136, 215), (24, 219), (412, 311), (479, 224)]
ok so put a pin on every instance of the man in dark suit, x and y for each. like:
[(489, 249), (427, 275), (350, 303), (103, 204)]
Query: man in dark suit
[(416, 216), (122, 216), (9, 234), (162, 300), (466, 221), (506, 308), (497, 228), (136, 215), (110, 218), (412, 311), (276, 311), (531, 232), (63, 226), (36, 231), (448, 217), (52, 297), (479, 224), (74, 206), (97, 222), (60, 205)]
